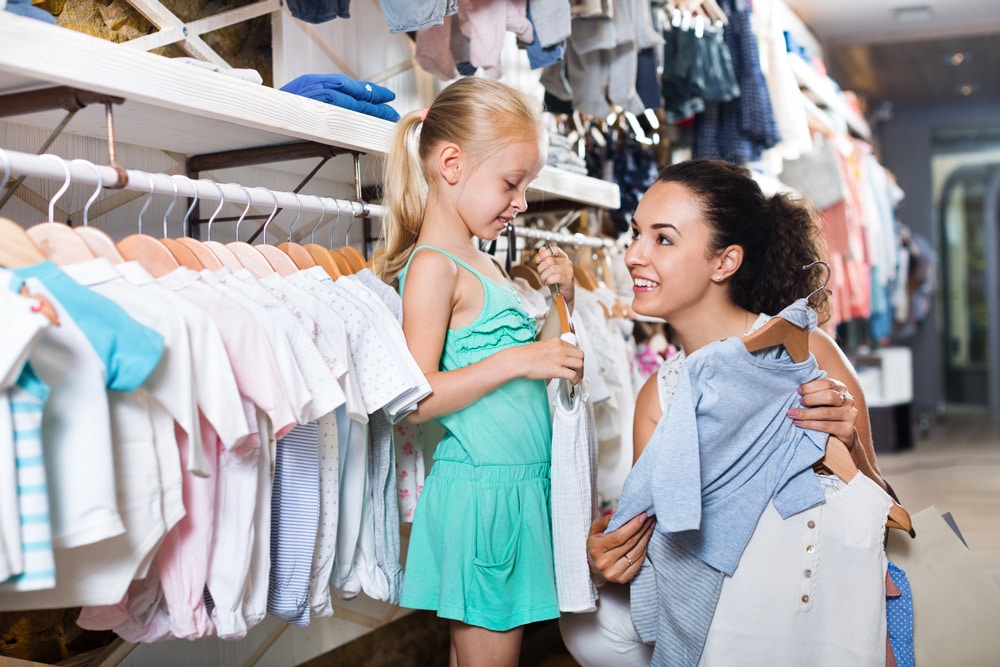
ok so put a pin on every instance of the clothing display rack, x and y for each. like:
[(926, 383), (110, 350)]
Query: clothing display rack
[(82, 172), (563, 237)]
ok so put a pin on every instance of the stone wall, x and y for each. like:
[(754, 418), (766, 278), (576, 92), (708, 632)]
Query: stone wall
[(245, 45)]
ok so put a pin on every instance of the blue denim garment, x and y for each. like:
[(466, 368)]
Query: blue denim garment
[(407, 15), (319, 11)]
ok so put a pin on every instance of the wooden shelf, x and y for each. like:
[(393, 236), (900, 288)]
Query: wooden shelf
[(176, 107)]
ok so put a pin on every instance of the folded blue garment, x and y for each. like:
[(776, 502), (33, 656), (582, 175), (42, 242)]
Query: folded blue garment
[(25, 8), (321, 94), (362, 91)]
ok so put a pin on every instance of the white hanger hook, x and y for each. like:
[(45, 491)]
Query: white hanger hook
[(246, 208), (187, 214), (222, 202), (298, 214), (336, 221), (65, 186), (350, 223), (97, 192), (170, 207), (322, 216), (145, 204), (274, 212)]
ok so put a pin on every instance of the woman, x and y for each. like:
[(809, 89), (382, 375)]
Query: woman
[(711, 254)]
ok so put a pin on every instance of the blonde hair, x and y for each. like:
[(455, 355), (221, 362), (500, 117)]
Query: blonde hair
[(479, 115)]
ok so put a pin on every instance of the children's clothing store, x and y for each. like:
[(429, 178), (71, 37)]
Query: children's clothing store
[(209, 453)]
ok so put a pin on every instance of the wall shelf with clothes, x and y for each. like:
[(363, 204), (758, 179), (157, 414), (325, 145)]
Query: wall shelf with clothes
[(184, 110)]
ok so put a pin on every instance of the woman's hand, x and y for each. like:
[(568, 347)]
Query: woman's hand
[(556, 268), (828, 407), (619, 554)]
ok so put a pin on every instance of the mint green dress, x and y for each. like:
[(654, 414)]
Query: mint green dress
[(480, 549)]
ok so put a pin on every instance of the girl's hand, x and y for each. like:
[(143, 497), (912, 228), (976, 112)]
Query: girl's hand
[(555, 268), (827, 407), (549, 359), (619, 554)]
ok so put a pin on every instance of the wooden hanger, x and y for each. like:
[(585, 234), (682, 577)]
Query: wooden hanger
[(779, 331), (354, 258), (208, 259), (298, 254), (145, 249), (17, 248), (248, 255), (183, 254), (97, 240), (58, 241), (338, 258), (280, 261), (528, 273), (149, 252), (322, 257), (838, 461)]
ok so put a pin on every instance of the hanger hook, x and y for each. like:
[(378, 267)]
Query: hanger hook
[(336, 221), (145, 204), (170, 207), (829, 273), (65, 186), (6, 168), (274, 212), (187, 214), (298, 214), (246, 208), (97, 192), (350, 223), (322, 216), (222, 202)]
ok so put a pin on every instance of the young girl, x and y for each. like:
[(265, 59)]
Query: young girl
[(710, 254), (480, 550)]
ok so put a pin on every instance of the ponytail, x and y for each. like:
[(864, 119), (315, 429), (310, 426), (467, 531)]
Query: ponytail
[(404, 197)]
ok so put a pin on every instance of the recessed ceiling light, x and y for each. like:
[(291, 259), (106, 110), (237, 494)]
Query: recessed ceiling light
[(959, 58), (912, 13), (967, 89)]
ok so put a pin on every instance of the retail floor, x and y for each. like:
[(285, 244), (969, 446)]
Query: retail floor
[(955, 467)]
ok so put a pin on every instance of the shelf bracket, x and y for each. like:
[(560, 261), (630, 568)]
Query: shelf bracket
[(248, 157)]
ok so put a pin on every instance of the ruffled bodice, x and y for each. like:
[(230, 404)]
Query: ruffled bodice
[(511, 424)]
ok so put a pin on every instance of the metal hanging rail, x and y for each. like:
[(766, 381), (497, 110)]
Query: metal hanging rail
[(85, 173), (563, 237)]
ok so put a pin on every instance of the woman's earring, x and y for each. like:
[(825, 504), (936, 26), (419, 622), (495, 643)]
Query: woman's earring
[(716, 278)]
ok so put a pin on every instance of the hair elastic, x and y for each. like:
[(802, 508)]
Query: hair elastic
[(423, 114)]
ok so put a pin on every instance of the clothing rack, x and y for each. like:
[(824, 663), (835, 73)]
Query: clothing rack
[(563, 237), (87, 173)]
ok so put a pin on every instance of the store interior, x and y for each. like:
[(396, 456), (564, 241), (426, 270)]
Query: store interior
[(171, 132)]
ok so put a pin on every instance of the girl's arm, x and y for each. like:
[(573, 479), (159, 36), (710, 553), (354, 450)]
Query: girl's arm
[(847, 421), (431, 296)]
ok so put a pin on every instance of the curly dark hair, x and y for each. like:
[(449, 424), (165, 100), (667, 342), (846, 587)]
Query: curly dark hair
[(779, 235)]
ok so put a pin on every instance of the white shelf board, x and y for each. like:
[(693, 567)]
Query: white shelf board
[(824, 93), (176, 107)]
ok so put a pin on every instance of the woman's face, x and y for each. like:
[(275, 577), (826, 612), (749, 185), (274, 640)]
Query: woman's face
[(668, 258)]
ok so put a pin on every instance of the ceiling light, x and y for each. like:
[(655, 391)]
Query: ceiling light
[(958, 58), (967, 89), (912, 13)]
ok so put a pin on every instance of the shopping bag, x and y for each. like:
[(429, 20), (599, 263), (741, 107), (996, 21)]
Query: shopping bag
[(956, 605)]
